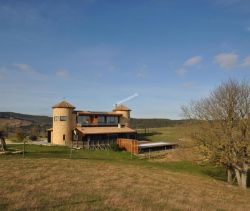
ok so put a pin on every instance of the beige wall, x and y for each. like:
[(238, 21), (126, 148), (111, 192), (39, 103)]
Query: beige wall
[(63, 128), (125, 119)]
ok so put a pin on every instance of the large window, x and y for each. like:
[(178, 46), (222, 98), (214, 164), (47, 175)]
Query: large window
[(83, 120), (112, 120), (101, 119)]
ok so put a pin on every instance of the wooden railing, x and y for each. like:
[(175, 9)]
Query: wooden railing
[(131, 145), (96, 124)]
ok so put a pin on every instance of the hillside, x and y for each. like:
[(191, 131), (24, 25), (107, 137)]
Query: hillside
[(42, 120), (154, 123), (14, 119)]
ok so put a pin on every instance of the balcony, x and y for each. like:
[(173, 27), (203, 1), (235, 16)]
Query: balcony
[(98, 124)]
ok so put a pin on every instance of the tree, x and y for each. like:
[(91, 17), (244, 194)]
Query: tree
[(224, 127), (34, 133), (20, 135), (3, 146)]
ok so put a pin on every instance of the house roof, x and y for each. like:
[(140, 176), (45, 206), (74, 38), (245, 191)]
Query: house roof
[(104, 130), (63, 104), (121, 107)]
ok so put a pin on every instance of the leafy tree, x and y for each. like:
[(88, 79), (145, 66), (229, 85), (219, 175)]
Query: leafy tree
[(224, 130)]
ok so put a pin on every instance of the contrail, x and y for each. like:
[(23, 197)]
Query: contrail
[(127, 99)]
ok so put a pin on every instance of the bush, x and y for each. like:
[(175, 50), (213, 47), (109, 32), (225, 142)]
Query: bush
[(115, 147), (20, 135), (33, 138)]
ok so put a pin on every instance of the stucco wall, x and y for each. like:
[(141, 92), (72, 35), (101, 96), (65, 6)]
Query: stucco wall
[(62, 130), (125, 119)]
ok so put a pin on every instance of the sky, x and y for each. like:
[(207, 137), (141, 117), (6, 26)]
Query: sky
[(95, 53)]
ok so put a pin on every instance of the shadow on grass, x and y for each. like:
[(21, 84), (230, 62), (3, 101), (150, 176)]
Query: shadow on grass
[(145, 136), (248, 178), (218, 173), (193, 168)]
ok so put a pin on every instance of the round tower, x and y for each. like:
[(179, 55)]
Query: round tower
[(63, 123), (125, 111)]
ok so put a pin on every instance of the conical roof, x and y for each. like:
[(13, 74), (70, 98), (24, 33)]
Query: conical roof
[(121, 107), (63, 104)]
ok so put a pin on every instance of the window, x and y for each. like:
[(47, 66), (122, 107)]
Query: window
[(83, 120), (63, 118), (112, 120), (56, 118), (60, 118), (64, 137), (101, 119)]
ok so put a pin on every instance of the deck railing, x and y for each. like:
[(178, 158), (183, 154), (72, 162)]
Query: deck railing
[(97, 124)]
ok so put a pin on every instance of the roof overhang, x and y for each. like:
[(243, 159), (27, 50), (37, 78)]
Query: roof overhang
[(104, 130)]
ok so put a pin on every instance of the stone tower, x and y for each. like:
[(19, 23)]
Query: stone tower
[(125, 111), (63, 123)]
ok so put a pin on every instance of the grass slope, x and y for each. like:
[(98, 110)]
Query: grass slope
[(99, 180)]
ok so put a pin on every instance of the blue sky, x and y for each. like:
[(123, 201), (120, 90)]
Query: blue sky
[(95, 53)]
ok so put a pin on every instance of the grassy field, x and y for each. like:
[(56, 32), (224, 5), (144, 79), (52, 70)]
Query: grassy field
[(170, 134), (47, 178), (105, 180)]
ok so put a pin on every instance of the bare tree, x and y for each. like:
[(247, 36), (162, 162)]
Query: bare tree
[(224, 129), (3, 146)]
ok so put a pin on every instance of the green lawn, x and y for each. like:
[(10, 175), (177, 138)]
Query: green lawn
[(115, 157), (170, 134)]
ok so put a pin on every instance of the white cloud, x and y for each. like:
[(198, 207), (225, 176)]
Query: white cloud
[(189, 62), (181, 72), (226, 60), (193, 61), (246, 62), (25, 68), (63, 73)]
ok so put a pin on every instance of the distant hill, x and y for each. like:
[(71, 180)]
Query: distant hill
[(154, 123), (35, 119), (45, 120)]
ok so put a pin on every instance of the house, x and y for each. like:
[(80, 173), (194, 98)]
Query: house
[(90, 129), (98, 130)]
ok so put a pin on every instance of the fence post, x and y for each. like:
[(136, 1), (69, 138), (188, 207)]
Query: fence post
[(23, 148), (70, 155)]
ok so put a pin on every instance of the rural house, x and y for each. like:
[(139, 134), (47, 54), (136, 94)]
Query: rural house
[(89, 128), (97, 130)]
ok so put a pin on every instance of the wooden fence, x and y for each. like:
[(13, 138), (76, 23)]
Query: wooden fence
[(131, 145)]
